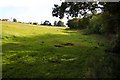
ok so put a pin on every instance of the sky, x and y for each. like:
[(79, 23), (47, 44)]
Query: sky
[(29, 10)]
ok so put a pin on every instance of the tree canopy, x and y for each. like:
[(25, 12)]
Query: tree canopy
[(76, 9)]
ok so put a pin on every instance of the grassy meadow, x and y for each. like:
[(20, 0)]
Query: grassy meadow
[(34, 51)]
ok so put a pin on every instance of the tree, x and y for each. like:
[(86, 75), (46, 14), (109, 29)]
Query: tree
[(47, 23), (60, 23), (77, 23), (55, 23), (75, 9), (35, 23), (14, 20)]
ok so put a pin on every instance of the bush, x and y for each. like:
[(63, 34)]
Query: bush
[(95, 25), (73, 24), (78, 23), (84, 23), (102, 24), (60, 23)]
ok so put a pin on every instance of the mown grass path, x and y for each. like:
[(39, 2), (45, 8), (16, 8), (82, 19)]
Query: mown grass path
[(51, 52)]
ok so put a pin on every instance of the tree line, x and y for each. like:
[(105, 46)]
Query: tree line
[(46, 22)]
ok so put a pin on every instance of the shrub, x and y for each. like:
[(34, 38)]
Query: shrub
[(73, 23), (83, 23), (78, 23), (95, 25), (103, 24), (60, 23)]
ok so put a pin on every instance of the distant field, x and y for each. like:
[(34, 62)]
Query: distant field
[(50, 52)]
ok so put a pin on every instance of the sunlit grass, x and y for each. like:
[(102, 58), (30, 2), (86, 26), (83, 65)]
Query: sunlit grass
[(50, 52)]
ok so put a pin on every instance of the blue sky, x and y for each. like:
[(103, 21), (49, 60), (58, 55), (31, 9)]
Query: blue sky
[(28, 10)]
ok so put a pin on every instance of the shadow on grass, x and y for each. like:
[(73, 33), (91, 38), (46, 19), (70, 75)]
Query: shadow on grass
[(37, 57)]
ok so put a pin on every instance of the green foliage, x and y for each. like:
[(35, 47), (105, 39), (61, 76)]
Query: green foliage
[(78, 23), (84, 22), (60, 23), (73, 23), (55, 23), (74, 8), (14, 20), (104, 23), (95, 24)]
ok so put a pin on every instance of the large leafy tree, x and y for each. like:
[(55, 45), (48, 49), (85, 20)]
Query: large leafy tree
[(75, 9)]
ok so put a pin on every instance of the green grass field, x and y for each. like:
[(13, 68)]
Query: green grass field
[(31, 51)]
